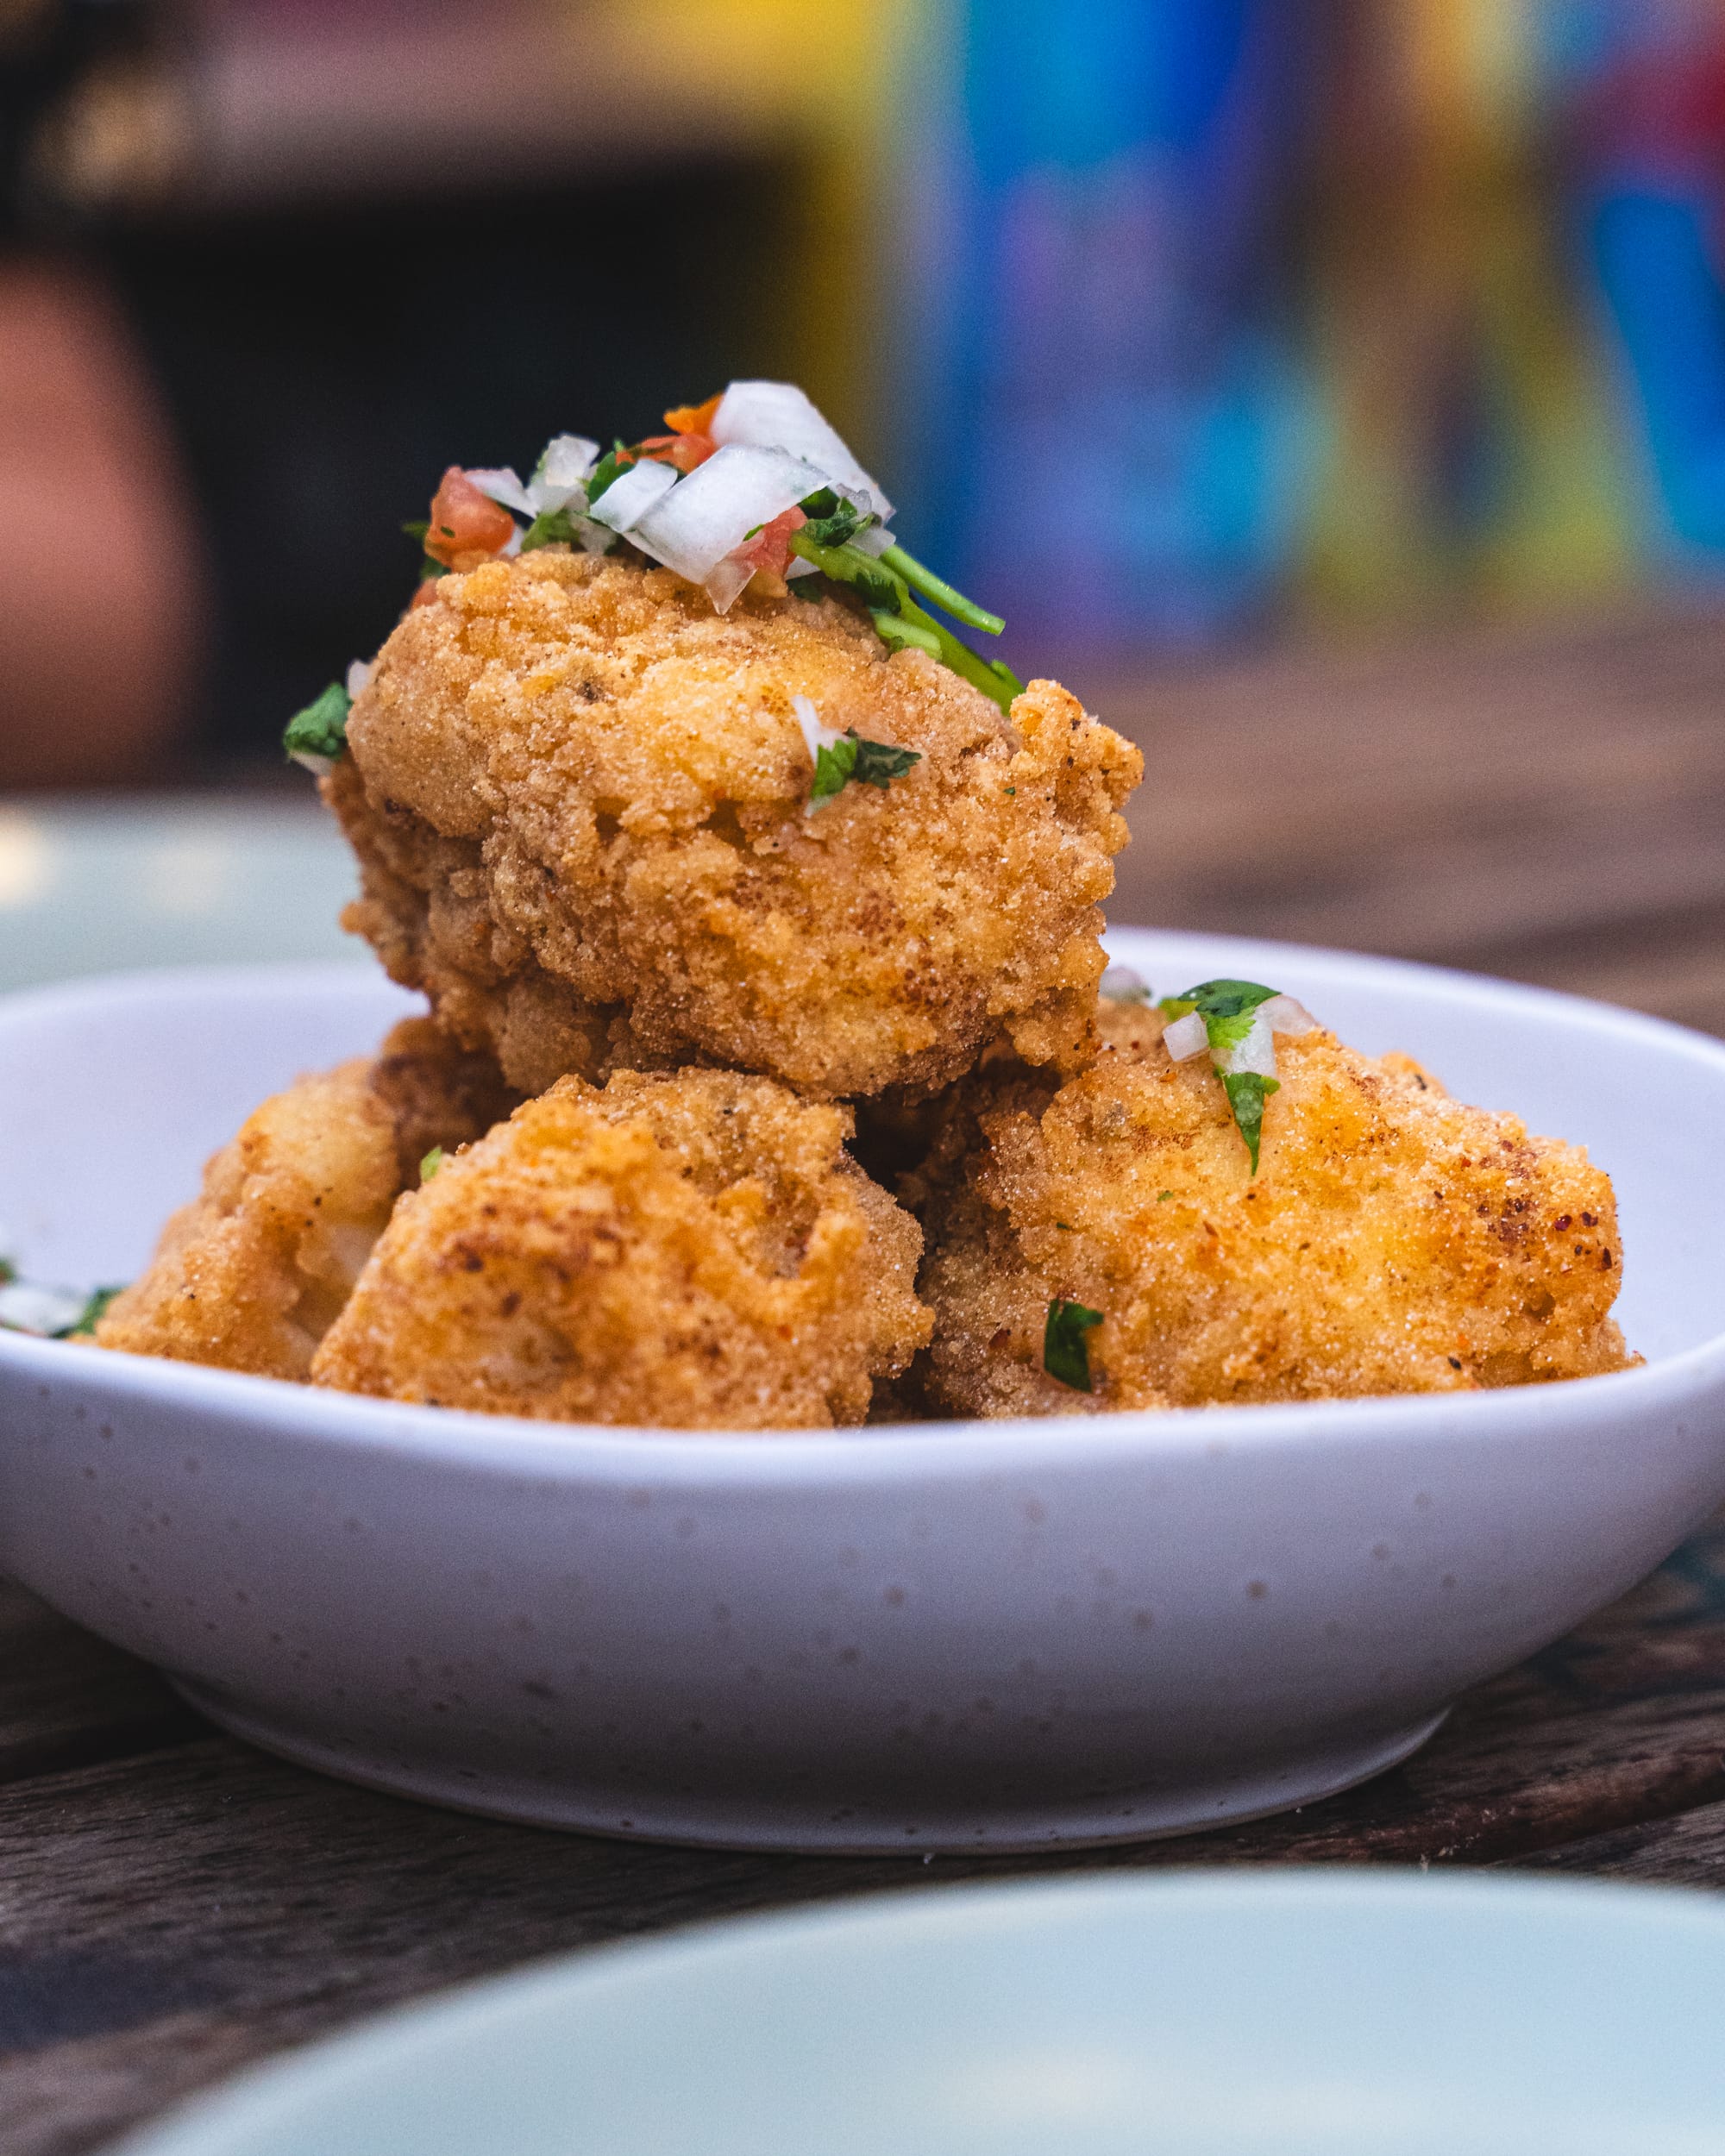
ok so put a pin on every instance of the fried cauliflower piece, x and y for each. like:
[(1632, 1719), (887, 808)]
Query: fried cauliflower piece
[(578, 797), (1393, 1241), (694, 1250), (251, 1274)]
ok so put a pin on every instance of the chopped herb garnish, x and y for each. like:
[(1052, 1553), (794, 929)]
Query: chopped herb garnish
[(610, 467), (9, 1272), (1228, 1009), (901, 622), (1161, 1194), (86, 1319), (1065, 1351), (1220, 1003), (318, 735), (432, 1161), (549, 528), (831, 520), (418, 528), (869, 762), (937, 588), (1247, 1091)]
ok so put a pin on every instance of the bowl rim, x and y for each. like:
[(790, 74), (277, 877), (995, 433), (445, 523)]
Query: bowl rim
[(894, 1451), (303, 1415)]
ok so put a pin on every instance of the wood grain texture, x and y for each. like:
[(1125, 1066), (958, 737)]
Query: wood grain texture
[(1548, 806), (1542, 804)]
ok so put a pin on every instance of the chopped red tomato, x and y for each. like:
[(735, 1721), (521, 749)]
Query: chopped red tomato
[(770, 548), (686, 451), (689, 444), (465, 521), (694, 418)]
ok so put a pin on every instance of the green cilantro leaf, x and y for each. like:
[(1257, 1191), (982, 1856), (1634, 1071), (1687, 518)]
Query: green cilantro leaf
[(432, 1161), (610, 467), (832, 768), (831, 520), (86, 1318), (9, 1272), (877, 764), (1219, 999), (1227, 1007), (1247, 1092), (1065, 1351), (418, 528), (870, 762), (549, 528), (318, 735)]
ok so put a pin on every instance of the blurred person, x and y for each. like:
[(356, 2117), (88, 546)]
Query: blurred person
[(99, 609), (100, 615)]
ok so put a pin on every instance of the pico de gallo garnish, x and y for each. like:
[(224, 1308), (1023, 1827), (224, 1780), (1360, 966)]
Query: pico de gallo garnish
[(752, 485), (1236, 1023)]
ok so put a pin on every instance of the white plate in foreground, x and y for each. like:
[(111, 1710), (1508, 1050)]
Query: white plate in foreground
[(1002, 1635), (1247, 2014)]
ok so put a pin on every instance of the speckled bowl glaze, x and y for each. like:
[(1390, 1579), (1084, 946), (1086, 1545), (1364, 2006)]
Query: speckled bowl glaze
[(1006, 1635)]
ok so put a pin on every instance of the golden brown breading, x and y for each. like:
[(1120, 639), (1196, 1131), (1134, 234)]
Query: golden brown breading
[(250, 1274), (694, 1250), (578, 797), (1393, 1241)]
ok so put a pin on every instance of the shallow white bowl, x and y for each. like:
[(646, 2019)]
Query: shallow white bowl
[(1005, 1635), (1303, 2014)]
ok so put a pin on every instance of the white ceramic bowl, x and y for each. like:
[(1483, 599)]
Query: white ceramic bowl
[(1246, 2014), (1002, 1635)]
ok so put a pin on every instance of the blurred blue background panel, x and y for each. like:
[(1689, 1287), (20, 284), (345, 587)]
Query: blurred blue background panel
[(1118, 422)]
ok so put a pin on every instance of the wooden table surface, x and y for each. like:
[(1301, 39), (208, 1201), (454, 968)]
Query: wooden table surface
[(173, 1905)]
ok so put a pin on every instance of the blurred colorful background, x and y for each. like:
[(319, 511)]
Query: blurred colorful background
[(1173, 324)]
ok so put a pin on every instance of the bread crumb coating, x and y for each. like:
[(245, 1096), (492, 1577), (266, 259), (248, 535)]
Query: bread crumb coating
[(1393, 1241), (694, 1250), (580, 801), (251, 1274)]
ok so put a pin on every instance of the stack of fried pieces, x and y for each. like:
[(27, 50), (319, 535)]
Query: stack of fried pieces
[(735, 1111)]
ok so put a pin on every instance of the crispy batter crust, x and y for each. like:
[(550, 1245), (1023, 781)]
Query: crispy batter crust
[(694, 1250), (1393, 1241), (578, 798), (250, 1274)]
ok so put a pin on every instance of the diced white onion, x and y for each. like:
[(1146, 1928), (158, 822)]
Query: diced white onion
[(1186, 1037), (873, 539), (308, 760), (504, 487), (779, 416), (563, 466), (512, 546), (1284, 1015), (1257, 1052), (725, 582), (815, 736), (359, 677), (27, 1309), (631, 494), (594, 537), (1125, 984), (712, 511)]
